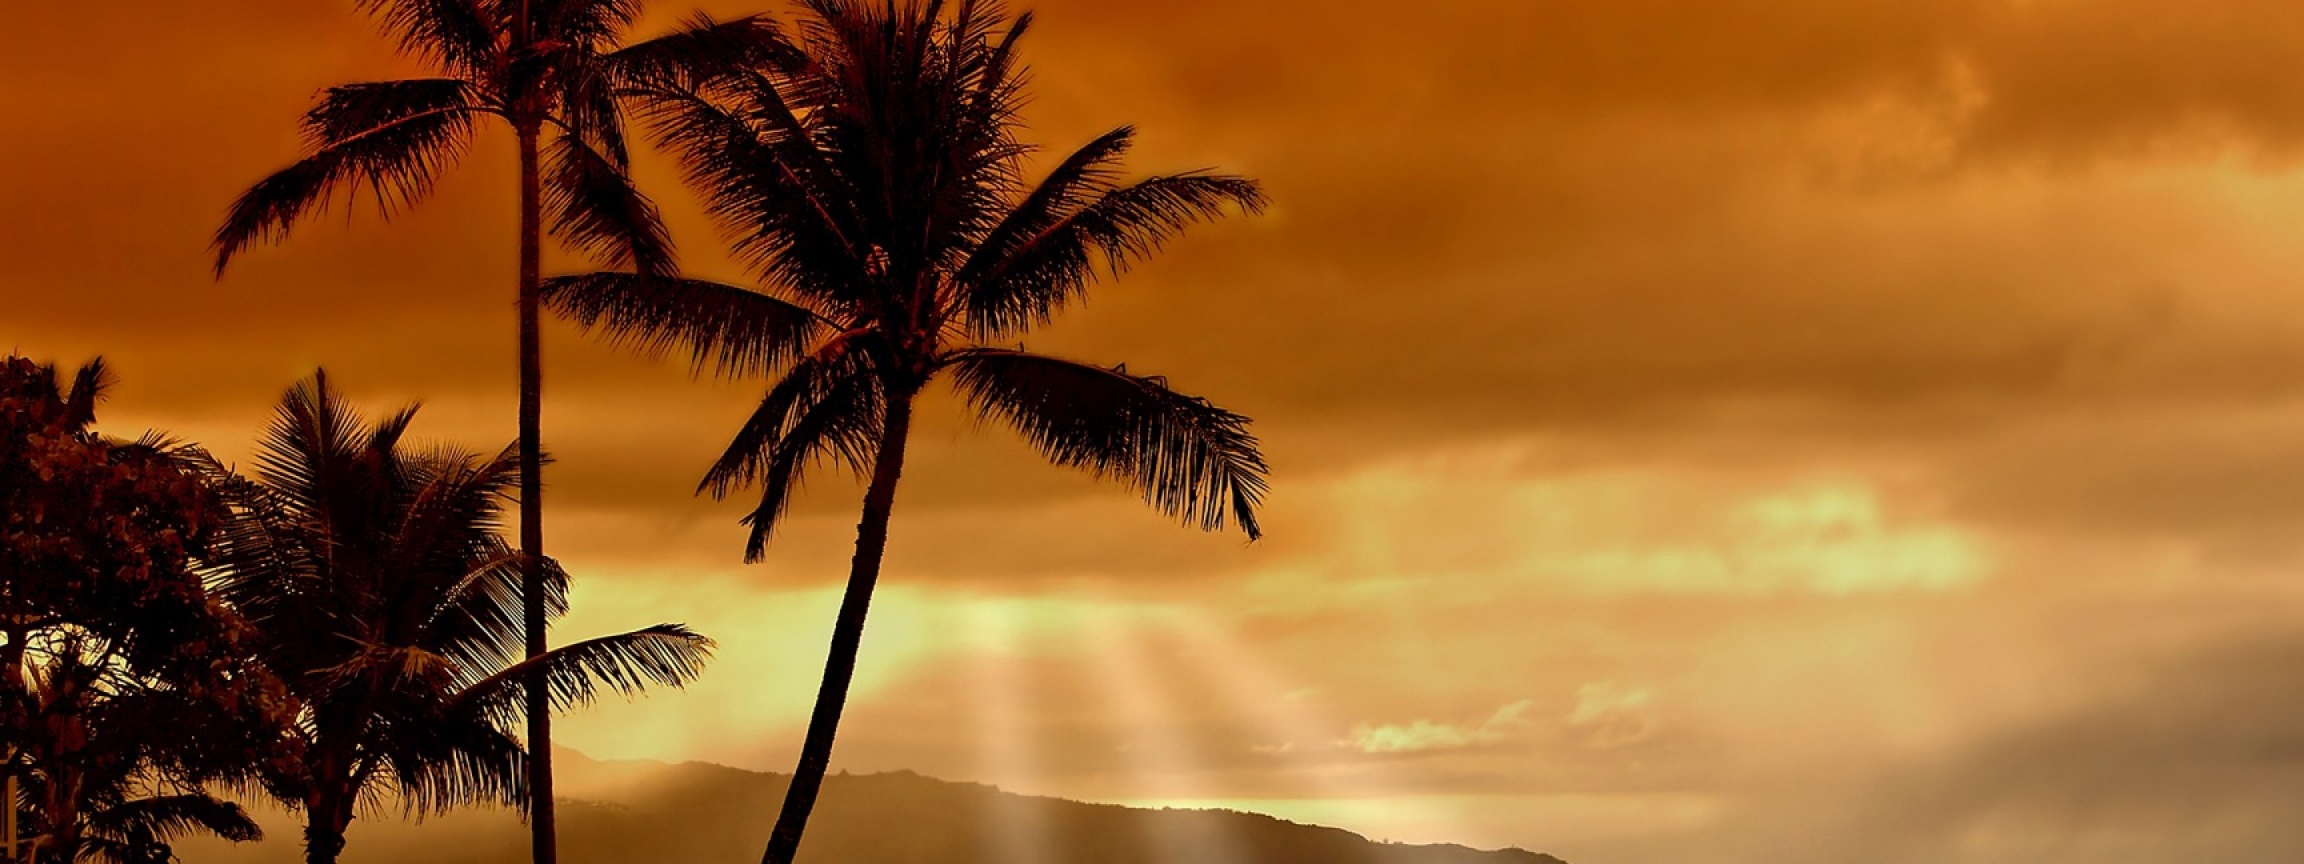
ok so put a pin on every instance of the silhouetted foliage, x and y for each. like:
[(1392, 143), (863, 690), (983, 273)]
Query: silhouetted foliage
[(123, 686), (559, 70), (382, 594), (544, 67), (878, 192)]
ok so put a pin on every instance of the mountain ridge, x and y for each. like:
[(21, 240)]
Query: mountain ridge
[(956, 822), (640, 812)]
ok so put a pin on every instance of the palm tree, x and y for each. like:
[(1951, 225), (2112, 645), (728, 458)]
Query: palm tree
[(537, 65), (878, 192), (387, 603)]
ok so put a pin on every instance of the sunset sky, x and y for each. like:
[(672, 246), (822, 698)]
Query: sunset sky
[(1721, 432)]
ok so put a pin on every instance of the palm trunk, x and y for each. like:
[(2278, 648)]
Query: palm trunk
[(15, 708), (847, 635), (62, 811), (332, 789), (544, 842), (17, 697), (323, 838)]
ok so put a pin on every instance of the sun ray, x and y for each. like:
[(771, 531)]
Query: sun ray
[(1295, 726), (1017, 831), (1156, 753)]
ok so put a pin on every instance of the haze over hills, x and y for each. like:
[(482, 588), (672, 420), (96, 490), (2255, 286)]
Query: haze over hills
[(635, 812)]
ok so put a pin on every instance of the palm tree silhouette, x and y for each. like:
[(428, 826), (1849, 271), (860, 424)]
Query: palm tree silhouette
[(877, 190), (537, 65), (390, 608)]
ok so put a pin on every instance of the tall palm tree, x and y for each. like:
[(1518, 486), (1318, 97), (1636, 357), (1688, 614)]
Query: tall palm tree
[(540, 66), (389, 606), (878, 192)]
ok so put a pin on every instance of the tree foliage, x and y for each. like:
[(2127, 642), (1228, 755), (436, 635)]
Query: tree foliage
[(383, 595), (123, 683), (560, 71), (880, 192)]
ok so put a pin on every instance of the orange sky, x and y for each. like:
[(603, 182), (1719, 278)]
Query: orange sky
[(1737, 431)]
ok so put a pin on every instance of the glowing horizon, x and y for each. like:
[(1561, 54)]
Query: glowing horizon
[(1743, 432)]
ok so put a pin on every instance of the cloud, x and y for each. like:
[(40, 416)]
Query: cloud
[(1425, 736), (1502, 515), (1601, 218), (2191, 756), (1609, 715)]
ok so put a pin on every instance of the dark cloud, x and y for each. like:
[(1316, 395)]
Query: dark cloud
[(2195, 757), (1492, 216), (2130, 77)]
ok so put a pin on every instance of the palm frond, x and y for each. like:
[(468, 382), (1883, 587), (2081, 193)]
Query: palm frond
[(590, 106), (265, 563), (349, 111), (88, 386), (1076, 182), (775, 197), (449, 512), (313, 433), (703, 48), (444, 763), (167, 817), (828, 407), (627, 663), (740, 332), (478, 620), (1000, 78), (1190, 459), (594, 207), (1033, 280), (388, 669), (460, 34), (812, 381), (392, 138), (586, 23)]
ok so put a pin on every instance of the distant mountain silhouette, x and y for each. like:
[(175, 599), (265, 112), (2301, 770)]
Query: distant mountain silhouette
[(697, 813)]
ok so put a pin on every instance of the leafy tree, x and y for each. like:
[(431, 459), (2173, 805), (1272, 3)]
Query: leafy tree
[(547, 69), (878, 191), (384, 598), (122, 683), (114, 760)]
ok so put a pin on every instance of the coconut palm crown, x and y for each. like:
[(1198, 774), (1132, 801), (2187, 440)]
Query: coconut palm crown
[(549, 69), (878, 190), (386, 601)]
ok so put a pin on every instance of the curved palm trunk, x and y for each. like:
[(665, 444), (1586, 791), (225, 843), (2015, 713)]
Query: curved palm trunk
[(544, 843), (847, 635)]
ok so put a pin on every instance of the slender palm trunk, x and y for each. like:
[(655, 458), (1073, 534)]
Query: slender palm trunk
[(847, 635), (543, 839), (15, 700), (324, 837), (331, 790), (62, 809)]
